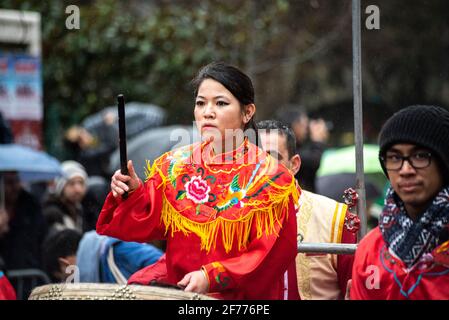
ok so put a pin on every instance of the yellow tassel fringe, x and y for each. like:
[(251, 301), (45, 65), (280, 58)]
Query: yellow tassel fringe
[(265, 218), (265, 214)]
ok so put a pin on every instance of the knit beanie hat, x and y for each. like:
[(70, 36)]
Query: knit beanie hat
[(70, 169), (426, 126)]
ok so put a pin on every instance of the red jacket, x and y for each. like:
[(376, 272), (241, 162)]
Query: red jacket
[(378, 275)]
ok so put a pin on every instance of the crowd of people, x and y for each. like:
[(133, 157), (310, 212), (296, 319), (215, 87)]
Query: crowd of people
[(230, 210), (50, 227)]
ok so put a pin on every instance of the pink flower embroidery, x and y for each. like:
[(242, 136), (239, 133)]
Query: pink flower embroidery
[(197, 190)]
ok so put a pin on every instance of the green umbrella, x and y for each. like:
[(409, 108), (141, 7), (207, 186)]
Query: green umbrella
[(342, 160)]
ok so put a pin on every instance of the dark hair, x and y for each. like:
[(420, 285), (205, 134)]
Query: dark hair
[(284, 130), (238, 83), (291, 114), (58, 244)]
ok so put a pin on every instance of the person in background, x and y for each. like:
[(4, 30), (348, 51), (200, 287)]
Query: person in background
[(311, 138), (98, 259), (76, 139), (109, 260), (59, 254), (97, 190), (4, 222), (63, 208), (93, 149), (407, 255), (319, 220), (23, 226), (6, 135)]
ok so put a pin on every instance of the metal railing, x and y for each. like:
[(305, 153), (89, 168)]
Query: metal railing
[(25, 279), (333, 248)]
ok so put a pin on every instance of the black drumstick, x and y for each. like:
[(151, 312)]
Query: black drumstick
[(122, 137)]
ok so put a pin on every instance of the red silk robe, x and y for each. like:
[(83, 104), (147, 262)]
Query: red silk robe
[(231, 215), (378, 275)]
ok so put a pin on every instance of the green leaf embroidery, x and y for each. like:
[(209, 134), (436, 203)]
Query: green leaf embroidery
[(235, 183), (181, 195), (200, 171), (198, 210), (212, 197), (211, 178), (171, 175), (265, 185), (223, 283)]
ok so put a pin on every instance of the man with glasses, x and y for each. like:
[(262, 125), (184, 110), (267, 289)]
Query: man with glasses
[(407, 255)]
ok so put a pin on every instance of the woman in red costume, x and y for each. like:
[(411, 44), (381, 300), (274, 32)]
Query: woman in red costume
[(225, 207)]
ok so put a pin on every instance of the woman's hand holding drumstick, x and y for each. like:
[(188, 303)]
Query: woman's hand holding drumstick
[(121, 183)]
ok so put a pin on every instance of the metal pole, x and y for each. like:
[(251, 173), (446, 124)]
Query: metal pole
[(335, 248), (358, 114)]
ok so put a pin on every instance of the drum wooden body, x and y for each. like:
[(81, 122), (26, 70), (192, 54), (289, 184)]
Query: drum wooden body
[(104, 291)]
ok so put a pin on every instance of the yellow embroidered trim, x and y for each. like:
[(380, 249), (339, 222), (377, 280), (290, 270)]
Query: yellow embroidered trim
[(341, 214), (232, 169), (334, 218), (239, 229), (343, 208), (303, 276), (206, 275), (217, 265), (443, 247), (302, 261)]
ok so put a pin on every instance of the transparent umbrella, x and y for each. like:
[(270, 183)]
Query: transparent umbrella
[(139, 117), (150, 144)]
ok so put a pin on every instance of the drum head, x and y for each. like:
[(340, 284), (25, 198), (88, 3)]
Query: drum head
[(106, 291)]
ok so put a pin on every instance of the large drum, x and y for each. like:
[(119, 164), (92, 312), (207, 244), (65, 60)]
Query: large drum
[(104, 291)]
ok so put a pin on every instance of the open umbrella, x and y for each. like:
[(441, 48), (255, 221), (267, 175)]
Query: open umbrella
[(32, 165), (150, 144), (139, 117), (342, 160)]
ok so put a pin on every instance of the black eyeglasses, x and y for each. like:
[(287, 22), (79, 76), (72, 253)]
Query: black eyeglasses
[(419, 160)]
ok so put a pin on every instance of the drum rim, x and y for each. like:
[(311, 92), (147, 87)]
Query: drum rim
[(110, 291)]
